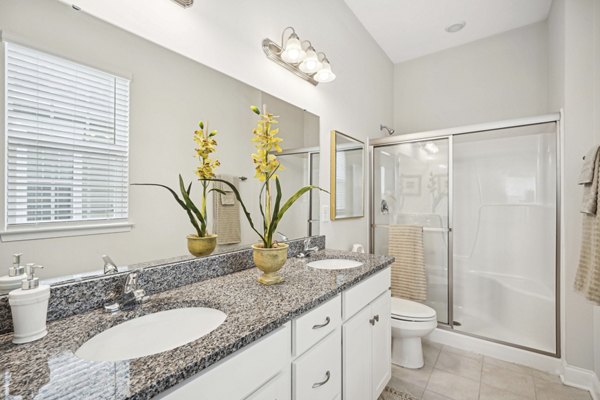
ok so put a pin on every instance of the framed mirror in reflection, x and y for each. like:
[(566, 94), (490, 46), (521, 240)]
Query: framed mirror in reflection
[(347, 177), (144, 134)]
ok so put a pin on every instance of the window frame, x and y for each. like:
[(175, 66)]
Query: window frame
[(55, 229)]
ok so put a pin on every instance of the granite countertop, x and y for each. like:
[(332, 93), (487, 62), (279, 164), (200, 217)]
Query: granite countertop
[(49, 369)]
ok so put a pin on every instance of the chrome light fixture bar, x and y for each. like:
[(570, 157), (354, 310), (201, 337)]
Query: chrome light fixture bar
[(299, 57)]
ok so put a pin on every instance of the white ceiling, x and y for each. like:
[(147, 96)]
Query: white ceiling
[(407, 29)]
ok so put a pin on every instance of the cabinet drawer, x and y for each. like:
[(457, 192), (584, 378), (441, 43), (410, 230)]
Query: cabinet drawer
[(313, 326), (278, 388), (356, 298), (259, 362), (317, 374)]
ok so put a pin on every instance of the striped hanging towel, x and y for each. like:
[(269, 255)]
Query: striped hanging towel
[(587, 280), (409, 279), (226, 212)]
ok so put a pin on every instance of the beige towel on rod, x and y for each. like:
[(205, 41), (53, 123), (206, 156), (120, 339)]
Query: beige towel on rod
[(226, 212), (409, 279), (587, 280)]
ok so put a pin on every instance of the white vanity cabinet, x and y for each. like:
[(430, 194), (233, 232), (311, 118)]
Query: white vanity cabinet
[(339, 350), (366, 338)]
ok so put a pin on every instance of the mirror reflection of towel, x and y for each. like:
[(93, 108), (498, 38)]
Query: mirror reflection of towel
[(227, 199), (226, 212)]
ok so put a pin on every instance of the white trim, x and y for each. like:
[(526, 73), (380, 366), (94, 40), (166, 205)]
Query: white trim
[(581, 378), (13, 235), (506, 353)]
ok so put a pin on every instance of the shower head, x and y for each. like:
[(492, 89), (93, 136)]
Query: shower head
[(388, 130)]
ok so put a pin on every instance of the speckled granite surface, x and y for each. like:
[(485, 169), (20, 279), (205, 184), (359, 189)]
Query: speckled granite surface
[(81, 296), (48, 368)]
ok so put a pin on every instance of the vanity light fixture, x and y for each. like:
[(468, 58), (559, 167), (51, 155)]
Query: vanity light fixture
[(185, 3), (299, 57), (456, 27)]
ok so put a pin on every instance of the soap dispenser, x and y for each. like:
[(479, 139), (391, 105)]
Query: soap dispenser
[(29, 307), (16, 273)]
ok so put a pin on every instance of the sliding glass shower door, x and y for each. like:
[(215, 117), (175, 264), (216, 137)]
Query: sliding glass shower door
[(410, 182), (505, 221), (488, 203)]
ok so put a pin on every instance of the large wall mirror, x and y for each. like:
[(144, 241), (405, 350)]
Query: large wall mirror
[(168, 95), (347, 176)]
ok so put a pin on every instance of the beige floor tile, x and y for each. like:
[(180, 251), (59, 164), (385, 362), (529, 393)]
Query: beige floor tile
[(454, 350), (487, 392), (541, 376), (453, 386), (558, 391), (431, 352), (406, 387), (418, 377), (459, 365), (428, 395), (508, 379)]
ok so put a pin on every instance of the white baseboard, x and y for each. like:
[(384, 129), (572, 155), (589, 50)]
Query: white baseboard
[(581, 378), (570, 375)]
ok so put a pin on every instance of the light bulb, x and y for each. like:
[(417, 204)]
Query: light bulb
[(311, 63), (293, 52), (324, 74)]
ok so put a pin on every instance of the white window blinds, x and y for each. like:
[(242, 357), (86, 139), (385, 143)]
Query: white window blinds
[(66, 140)]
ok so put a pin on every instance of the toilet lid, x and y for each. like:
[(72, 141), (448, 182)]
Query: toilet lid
[(411, 310)]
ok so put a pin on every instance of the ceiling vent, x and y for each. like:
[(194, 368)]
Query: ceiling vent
[(184, 3)]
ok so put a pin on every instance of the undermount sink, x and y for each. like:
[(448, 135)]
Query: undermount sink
[(151, 334), (334, 263)]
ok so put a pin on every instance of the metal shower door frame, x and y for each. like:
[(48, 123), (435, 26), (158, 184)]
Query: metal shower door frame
[(449, 135)]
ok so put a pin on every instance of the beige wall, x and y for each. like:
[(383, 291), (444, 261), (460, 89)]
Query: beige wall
[(571, 60), (169, 95), (227, 39), (227, 35), (597, 140), (500, 77)]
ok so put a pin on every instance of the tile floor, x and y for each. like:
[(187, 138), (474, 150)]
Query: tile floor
[(453, 374)]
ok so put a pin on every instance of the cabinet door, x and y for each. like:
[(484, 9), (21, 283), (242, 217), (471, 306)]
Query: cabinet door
[(381, 343), (278, 388), (357, 357)]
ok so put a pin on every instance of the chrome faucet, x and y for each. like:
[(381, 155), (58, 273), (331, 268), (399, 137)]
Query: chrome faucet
[(109, 266), (283, 237), (130, 296), (308, 251)]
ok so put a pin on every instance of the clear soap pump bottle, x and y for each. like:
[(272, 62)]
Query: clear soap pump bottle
[(16, 273), (29, 307)]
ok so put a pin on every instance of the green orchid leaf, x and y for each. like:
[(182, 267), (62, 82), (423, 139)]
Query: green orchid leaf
[(179, 201), (293, 199), (190, 205), (224, 193), (274, 219)]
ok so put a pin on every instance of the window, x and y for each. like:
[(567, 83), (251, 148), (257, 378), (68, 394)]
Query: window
[(67, 141)]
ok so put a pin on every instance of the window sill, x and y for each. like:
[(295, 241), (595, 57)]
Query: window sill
[(47, 232)]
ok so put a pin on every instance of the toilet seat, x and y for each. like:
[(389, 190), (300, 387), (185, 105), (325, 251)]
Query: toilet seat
[(407, 310)]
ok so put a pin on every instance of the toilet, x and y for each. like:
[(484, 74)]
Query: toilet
[(410, 322)]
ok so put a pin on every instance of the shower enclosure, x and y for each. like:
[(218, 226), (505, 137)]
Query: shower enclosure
[(487, 197), (300, 168)]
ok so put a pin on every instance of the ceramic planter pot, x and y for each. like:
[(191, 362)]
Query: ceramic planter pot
[(270, 261), (201, 246)]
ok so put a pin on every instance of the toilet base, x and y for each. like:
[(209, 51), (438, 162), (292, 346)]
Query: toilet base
[(407, 352)]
